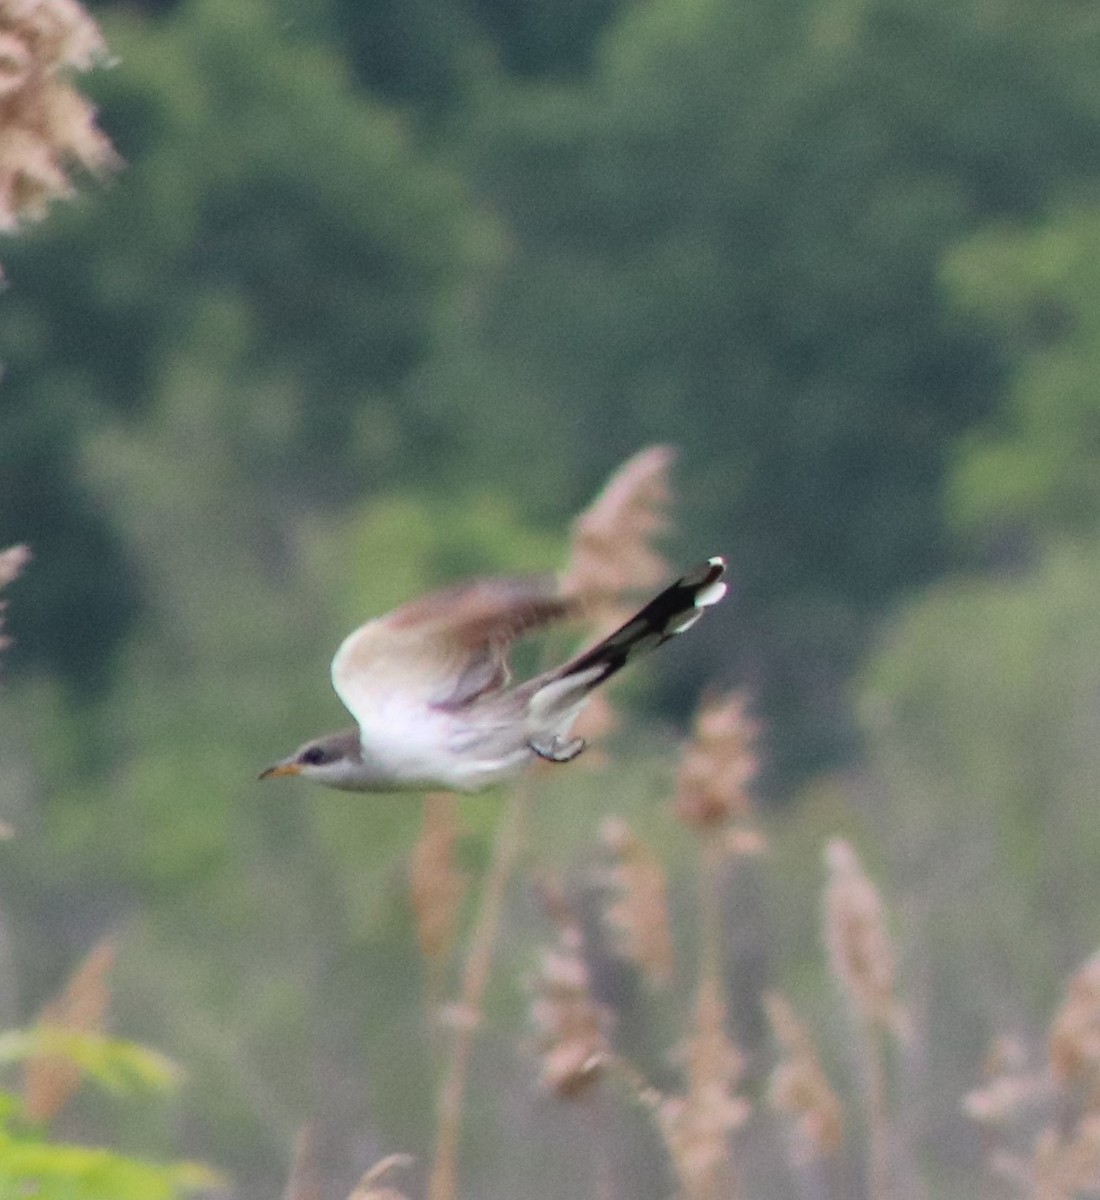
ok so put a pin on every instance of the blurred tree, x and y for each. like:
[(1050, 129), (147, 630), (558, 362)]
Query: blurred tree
[(725, 233), (432, 57), (275, 230), (83, 598), (1036, 470), (730, 239)]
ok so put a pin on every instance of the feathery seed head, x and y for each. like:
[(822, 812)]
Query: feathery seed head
[(718, 764), (611, 554), (45, 126), (860, 950), (49, 1081), (1007, 1084), (1000, 1099), (696, 1125), (611, 550), (15, 63), (638, 915), (59, 33), (12, 562), (1065, 1164), (798, 1083), (571, 1028), (1065, 1158), (1073, 1043)]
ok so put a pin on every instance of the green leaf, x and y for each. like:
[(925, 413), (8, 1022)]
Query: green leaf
[(120, 1066)]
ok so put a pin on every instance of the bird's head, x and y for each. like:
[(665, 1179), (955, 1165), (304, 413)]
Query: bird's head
[(335, 760)]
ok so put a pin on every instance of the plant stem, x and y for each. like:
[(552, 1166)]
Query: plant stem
[(878, 1148), (443, 1180), (723, 1180), (710, 910)]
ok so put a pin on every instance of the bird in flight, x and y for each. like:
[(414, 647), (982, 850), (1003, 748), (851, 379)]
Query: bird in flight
[(427, 685)]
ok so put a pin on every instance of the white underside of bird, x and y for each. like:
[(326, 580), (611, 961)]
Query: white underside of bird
[(427, 685)]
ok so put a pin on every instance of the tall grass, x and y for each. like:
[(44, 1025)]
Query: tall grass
[(832, 1101)]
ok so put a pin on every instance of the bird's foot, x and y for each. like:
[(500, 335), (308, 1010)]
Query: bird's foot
[(557, 751)]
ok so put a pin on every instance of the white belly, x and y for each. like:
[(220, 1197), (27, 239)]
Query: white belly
[(436, 749)]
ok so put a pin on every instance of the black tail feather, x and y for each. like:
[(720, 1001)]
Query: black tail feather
[(676, 609)]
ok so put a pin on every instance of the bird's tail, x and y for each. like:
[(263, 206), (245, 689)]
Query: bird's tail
[(556, 698), (674, 611)]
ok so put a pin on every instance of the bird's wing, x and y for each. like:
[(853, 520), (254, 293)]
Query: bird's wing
[(442, 651)]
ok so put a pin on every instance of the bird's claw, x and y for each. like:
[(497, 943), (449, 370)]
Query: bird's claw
[(557, 751)]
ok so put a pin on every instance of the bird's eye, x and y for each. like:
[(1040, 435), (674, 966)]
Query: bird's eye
[(314, 756)]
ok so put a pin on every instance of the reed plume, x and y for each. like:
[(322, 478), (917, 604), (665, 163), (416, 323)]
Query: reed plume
[(46, 127), (611, 552), (716, 769), (1065, 1160), (1073, 1044), (12, 562), (799, 1087), (611, 555), (696, 1125), (711, 799), (570, 1026), (1007, 1085), (637, 914), (50, 1080), (861, 955)]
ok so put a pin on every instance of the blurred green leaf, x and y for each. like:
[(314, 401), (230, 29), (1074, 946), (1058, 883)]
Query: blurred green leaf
[(116, 1064)]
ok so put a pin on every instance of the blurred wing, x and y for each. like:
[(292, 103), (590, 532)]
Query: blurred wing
[(443, 651)]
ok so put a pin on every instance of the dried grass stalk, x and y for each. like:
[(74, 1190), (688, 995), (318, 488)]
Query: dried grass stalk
[(799, 1087), (696, 1125), (1073, 1044), (860, 951), (371, 1187), (716, 768), (638, 914), (611, 551), (12, 562), (1065, 1158), (1007, 1085), (46, 127), (1065, 1165), (443, 1179), (436, 883), (862, 959), (610, 556), (49, 1081), (305, 1177), (571, 1028)]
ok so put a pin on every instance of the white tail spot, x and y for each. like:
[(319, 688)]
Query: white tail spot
[(688, 621), (711, 594)]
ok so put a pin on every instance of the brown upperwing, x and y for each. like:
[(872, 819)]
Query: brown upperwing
[(448, 648)]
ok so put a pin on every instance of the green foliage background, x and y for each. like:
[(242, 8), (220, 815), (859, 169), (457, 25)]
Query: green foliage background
[(384, 292)]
